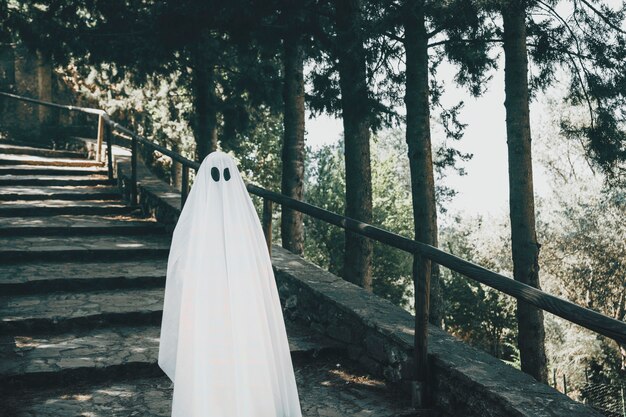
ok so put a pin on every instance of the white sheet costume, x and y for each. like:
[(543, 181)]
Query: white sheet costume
[(223, 340)]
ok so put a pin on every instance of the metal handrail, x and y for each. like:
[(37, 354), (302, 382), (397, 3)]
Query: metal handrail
[(592, 320)]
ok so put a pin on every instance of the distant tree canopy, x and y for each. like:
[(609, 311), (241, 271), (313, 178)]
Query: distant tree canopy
[(242, 39)]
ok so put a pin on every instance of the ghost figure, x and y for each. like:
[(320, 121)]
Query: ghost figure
[(223, 339)]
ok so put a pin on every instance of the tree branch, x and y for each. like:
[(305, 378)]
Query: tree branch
[(603, 17), (565, 51), (394, 37), (435, 32), (470, 41), (575, 66)]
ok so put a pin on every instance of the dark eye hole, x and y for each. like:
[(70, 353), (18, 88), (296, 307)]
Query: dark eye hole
[(226, 174), (215, 173)]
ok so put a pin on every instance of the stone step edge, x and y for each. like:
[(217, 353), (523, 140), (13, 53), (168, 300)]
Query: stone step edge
[(8, 159), (89, 309), (15, 256), (34, 211), (49, 170), (108, 230), (18, 149), (32, 326), (14, 212), (56, 181), (67, 196), (71, 376), (98, 283), (111, 372)]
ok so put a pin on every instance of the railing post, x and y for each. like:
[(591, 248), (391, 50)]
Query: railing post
[(100, 138), (267, 223), (133, 172), (184, 185), (109, 139), (421, 282)]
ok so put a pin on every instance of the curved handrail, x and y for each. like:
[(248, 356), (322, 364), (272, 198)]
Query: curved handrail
[(590, 319)]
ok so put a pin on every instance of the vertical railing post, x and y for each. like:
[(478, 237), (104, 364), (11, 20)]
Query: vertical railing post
[(100, 138), (133, 172), (267, 223), (421, 282), (108, 135), (184, 185)]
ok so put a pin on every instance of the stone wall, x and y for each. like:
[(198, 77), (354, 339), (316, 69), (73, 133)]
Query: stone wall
[(31, 74), (465, 381)]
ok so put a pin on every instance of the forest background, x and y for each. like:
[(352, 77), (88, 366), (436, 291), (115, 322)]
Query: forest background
[(246, 77)]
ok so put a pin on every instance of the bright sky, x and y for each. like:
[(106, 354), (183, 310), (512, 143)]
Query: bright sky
[(484, 188)]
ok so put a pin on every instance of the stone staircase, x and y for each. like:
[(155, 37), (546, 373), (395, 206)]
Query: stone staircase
[(81, 294)]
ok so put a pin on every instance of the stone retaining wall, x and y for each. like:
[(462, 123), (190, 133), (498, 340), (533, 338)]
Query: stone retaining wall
[(466, 382)]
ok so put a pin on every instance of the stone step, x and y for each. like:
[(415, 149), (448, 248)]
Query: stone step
[(99, 354), (87, 248), (59, 193), (66, 312), (105, 353), (328, 386), (69, 311), (78, 225), (6, 148), (42, 277), (23, 208), (15, 159), (51, 170), (137, 397), (425, 412), (28, 180)]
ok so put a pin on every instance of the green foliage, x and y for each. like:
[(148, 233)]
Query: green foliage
[(600, 34), (584, 261), (138, 43), (586, 39), (325, 187), (258, 150), (392, 210), (324, 243), (158, 108), (473, 312)]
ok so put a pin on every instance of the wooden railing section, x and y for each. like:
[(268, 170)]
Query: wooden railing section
[(565, 309)]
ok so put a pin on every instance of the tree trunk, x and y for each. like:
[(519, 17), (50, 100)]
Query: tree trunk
[(525, 249), (44, 87), (421, 167), (356, 126), (47, 116), (420, 153), (204, 100), (292, 228), (176, 171)]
